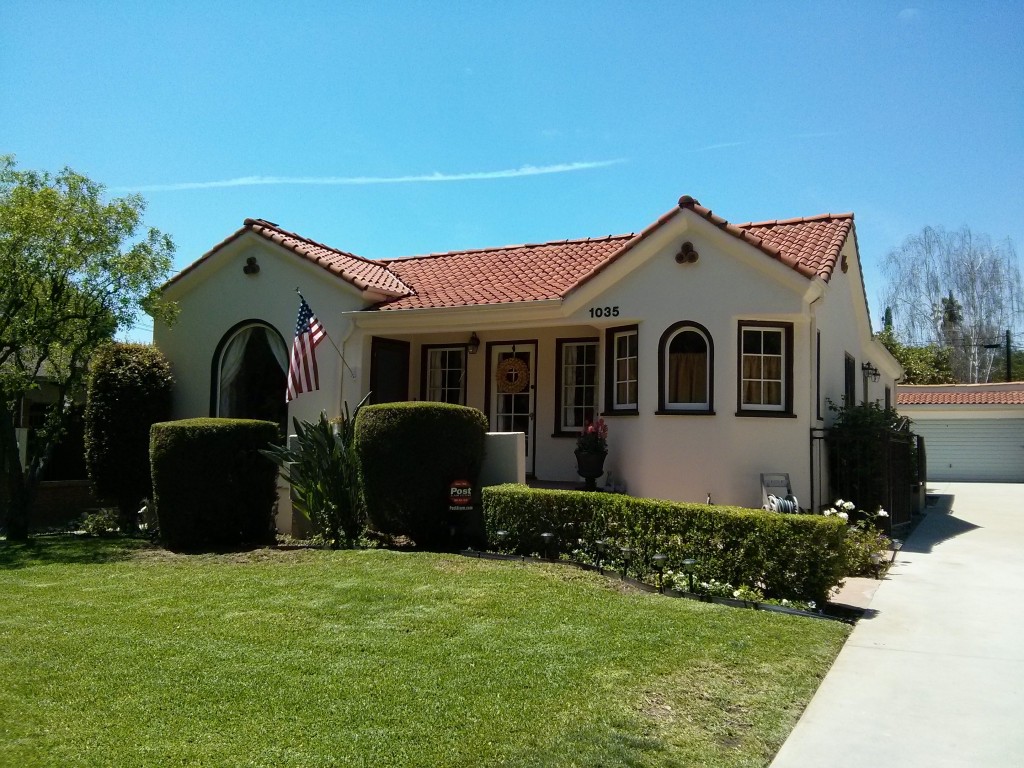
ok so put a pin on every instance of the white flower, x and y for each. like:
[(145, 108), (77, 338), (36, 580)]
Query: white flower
[(829, 512), (736, 593), (843, 515), (785, 601), (837, 503), (811, 604), (882, 512), (848, 506)]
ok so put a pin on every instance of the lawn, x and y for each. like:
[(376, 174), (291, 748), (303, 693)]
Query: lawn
[(116, 653)]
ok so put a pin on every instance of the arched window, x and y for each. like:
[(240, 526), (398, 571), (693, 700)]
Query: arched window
[(687, 369), (250, 371)]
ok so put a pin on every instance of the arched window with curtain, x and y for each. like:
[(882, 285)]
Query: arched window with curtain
[(250, 374), (686, 362)]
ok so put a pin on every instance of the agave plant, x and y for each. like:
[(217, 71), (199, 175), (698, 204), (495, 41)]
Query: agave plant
[(324, 474)]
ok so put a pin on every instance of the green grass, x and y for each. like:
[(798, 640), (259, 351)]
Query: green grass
[(114, 653)]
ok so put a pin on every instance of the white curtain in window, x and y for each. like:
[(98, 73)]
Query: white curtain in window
[(277, 346), (230, 365)]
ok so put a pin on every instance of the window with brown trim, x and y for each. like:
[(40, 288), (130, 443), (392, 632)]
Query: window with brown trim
[(575, 385), (765, 370), (622, 373), (685, 369), (444, 374)]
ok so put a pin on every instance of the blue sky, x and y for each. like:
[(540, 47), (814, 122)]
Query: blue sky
[(391, 129)]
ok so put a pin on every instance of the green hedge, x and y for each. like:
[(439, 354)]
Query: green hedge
[(211, 486), (798, 557), (408, 455), (129, 389)]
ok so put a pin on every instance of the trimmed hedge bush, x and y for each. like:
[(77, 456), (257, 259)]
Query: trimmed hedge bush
[(211, 486), (408, 455), (129, 389), (797, 557)]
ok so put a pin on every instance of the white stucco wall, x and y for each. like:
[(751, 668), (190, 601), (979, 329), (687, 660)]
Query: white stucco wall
[(683, 457), (217, 295)]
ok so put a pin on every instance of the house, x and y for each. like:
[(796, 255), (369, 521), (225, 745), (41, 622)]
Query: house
[(710, 348), (972, 432)]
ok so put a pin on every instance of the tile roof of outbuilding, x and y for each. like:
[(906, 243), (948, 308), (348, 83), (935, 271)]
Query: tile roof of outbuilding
[(964, 396)]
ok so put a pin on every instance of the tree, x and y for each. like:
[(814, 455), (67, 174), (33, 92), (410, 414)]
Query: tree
[(129, 390), (955, 290), (921, 365), (74, 272)]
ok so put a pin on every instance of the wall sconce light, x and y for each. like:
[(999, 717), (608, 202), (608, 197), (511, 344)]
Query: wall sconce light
[(251, 266), (869, 370), (474, 343), (687, 255)]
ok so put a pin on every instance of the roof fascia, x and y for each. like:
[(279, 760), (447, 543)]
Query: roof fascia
[(473, 317), (221, 256)]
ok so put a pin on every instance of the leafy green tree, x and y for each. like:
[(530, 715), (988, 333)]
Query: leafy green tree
[(921, 365), (75, 269), (129, 390)]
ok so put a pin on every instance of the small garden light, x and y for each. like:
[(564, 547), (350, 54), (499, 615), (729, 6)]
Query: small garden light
[(547, 538), (659, 559), (627, 553), (896, 545), (502, 537), (688, 565), (876, 563), (602, 550)]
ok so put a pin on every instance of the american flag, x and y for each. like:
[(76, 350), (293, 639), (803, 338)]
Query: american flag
[(303, 375)]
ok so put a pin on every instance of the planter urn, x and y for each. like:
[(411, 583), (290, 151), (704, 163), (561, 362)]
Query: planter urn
[(590, 466)]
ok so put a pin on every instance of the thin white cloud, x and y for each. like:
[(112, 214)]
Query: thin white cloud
[(337, 181), (909, 14), (722, 145)]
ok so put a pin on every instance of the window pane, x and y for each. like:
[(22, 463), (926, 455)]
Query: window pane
[(763, 368), (579, 384)]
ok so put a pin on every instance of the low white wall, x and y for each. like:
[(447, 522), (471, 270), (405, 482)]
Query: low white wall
[(504, 458)]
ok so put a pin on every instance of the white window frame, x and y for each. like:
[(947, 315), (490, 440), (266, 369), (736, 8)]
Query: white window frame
[(569, 385), (625, 405), (434, 393), (783, 358), (670, 405)]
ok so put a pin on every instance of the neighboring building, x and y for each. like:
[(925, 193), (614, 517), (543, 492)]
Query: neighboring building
[(972, 432), (710, 348)]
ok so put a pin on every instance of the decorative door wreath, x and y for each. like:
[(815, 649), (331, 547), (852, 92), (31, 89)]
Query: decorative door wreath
[(512, 376)]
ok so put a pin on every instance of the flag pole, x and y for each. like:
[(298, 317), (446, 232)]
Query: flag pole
[(340, 354)]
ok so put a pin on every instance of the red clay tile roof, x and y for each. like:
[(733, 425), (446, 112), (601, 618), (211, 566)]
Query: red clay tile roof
[(980, 397), (810, 245), (545, 271), (514, 273), (362, 273)]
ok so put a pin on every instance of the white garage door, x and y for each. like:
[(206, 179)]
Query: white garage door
[(974, 450)]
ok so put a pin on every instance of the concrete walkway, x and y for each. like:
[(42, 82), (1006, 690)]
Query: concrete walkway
[(934, 674)]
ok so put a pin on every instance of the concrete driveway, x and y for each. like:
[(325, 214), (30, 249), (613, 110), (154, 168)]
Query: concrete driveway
[(934, 674)]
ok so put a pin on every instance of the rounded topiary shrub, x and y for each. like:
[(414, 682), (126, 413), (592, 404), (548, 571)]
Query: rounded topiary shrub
[(129, 389), (211, 486), (409, 453)]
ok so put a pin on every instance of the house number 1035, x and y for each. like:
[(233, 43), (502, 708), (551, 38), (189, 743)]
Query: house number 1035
[(604, 311)]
